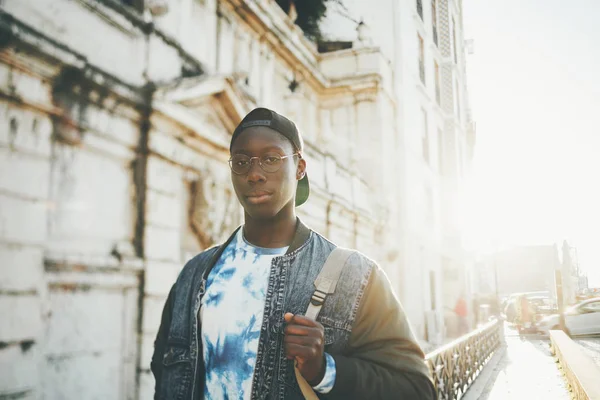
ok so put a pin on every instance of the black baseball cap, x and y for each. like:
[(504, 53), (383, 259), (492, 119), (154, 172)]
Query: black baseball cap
[(279, 123)]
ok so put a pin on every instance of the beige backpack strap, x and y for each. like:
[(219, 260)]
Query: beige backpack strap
[(324, 284), (307, 390), (327, 280)]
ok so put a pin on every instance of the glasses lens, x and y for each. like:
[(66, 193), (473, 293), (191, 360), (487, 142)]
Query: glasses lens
[(240, 164), (271, 162)]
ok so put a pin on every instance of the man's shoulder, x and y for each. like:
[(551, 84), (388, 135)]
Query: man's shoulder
[(357, 263)]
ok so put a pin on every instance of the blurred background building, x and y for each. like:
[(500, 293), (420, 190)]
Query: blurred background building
[(528, 269), (117, 116), (424, 43)]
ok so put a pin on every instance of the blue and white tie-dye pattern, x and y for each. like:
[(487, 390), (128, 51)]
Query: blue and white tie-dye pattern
[(232, 315), (329, 379)]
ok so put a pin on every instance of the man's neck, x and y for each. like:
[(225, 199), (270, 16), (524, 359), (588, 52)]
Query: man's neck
[(272, 233)]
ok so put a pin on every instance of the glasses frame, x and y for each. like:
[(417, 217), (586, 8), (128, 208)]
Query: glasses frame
[(230, 162)]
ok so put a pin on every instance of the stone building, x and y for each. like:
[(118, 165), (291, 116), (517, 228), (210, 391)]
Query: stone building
[(519, 269), (116, 119), (424, 42)]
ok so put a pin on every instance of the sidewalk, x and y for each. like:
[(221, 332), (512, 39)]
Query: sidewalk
[(524, 369)]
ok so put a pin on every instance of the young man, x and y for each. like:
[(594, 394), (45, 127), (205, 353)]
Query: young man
[(233, 324)]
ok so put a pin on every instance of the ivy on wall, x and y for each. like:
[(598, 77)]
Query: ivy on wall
[(310, 13)]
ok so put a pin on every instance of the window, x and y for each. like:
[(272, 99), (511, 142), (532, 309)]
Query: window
[(138, 5), (434, 21), (457, 100), (421, 59), (592, 307), (441, 151), (438, 92), (454, 40), (425, 136), (429, 214), (432, 289), (420, 8)]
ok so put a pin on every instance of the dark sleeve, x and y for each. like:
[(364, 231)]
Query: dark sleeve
[(156, 364), (383, 360)]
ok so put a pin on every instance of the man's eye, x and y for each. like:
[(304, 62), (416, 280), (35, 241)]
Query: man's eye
[(271, 160), (241, 163)]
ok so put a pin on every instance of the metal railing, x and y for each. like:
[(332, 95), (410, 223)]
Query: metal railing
[(455, 366)]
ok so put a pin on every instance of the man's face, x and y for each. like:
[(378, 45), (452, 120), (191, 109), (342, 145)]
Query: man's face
[(264, 194)]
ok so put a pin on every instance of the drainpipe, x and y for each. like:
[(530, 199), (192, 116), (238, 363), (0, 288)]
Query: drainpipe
[(218, 38)]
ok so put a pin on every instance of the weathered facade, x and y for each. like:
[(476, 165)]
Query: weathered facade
[(424, 41), (113, 157)]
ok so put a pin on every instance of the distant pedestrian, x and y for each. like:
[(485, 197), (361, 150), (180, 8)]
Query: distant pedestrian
[(460, 309), (525, 313)]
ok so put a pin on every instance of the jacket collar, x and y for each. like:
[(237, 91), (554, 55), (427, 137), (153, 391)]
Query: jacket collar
[(300, 237)]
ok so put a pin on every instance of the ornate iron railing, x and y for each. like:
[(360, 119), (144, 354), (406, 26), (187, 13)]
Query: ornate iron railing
[(455, 366)]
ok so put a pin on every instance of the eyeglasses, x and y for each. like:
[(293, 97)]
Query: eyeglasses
[(240, 164), (271, 162)]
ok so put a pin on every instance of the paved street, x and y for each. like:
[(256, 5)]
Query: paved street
[(524, 369), (591, 347)]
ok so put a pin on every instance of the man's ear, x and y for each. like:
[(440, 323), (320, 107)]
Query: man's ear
[(301, 170)]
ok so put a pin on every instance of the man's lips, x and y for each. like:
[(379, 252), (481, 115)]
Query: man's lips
[(258, 197)]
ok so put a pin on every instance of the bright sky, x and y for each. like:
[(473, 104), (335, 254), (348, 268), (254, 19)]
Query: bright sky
[(534, 84)]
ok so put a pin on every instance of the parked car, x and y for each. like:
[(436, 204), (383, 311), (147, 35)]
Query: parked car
[(542, 306), (580, 319)]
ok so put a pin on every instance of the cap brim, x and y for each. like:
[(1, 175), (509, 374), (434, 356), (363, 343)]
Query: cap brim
[(302, 191)]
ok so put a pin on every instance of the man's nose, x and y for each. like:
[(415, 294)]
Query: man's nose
[(255, 173)]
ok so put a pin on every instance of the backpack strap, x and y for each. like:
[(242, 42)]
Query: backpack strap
[(327, 280), (324, 284)]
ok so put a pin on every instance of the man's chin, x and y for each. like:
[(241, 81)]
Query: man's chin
[(260, 211)]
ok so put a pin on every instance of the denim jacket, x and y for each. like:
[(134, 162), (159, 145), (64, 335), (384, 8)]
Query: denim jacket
[(366, 330)]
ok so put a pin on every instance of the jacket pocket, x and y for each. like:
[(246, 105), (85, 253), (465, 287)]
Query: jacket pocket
[(178, 371), (176, 354), (336, 338), (330, 335)]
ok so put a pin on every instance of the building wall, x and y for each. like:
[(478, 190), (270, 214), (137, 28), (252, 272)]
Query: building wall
[(114, 170), (65, 207), (432, 157)]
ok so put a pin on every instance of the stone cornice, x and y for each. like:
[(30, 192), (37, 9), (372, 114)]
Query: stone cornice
[(287, 40), (14, 31), (233, 97)]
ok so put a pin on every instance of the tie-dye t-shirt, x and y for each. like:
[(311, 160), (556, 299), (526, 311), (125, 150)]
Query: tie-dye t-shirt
[(232, 315)]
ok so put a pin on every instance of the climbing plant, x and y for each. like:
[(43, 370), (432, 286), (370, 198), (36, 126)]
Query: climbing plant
[(310, 13)]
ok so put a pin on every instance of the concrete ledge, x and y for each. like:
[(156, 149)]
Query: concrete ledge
[(580, 370)]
